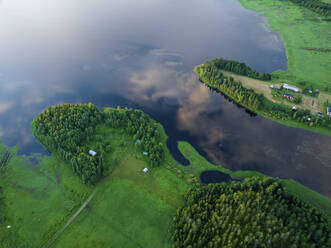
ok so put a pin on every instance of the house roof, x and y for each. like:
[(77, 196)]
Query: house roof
[(286, 86), (287, 94)]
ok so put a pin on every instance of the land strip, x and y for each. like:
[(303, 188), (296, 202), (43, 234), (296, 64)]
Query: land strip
[(314, 104)]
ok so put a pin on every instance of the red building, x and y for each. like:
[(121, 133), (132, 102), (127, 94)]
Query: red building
[(288, 96)]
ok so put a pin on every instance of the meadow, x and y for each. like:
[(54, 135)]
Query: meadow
[(130, 208), (307, 40)]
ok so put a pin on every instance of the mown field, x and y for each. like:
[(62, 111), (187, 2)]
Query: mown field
[(305, 35)]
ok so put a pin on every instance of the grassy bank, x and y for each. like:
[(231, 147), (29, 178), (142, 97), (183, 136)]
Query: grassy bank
[(198, 164), (307, 40)]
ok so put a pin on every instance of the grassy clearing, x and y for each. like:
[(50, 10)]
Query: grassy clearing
[(300, 29), (131, 209), (314, 104)]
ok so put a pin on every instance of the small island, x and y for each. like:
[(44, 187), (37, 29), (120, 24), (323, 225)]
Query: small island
[(111, 181)]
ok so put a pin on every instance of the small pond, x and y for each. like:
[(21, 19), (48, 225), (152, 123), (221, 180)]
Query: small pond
[(214, 176)]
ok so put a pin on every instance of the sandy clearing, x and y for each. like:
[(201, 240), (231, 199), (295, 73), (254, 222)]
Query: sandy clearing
[(314, 104)]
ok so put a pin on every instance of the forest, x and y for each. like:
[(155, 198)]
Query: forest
[(238, 68), (257, 212), (317, 6), (63, 129), (67, 129), (210, 74), (144, 130)]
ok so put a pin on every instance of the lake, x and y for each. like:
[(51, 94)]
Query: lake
[(141, 55)]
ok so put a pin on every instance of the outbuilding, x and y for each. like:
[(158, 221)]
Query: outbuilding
[(287, 87), (145, 170), (288, 96), (92, 153), (329, 111)]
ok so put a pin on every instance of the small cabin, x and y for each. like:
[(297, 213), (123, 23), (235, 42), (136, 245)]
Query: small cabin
[(294, 108), (145, 170), (329, 111), (288, 96), (145, 153), (287, 87), (92, 153), (274, 87)]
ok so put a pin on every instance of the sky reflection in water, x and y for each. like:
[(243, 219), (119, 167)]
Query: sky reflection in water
[(141, 54)]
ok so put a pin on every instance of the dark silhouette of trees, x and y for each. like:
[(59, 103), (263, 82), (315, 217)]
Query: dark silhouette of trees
[(254, 213)]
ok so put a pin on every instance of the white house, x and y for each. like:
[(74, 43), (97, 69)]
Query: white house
[(92, 153), (145, 170), (287, 87)]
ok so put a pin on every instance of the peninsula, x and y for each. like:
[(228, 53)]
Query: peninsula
[(130, 190)]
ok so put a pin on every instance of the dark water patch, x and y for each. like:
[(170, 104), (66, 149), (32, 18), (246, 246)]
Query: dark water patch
[(214, 176)]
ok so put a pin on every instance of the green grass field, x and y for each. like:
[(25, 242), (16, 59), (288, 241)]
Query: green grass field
[(130, 208), (301, 30), (37, 199)]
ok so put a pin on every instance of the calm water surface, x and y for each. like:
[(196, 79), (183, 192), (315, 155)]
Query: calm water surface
[(141, 54)]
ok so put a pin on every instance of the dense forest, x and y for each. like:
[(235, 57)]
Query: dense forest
[(253, 213), (210, 74), (141, 127), (66, 130), (317, 6), (63, 129), (238, 68)]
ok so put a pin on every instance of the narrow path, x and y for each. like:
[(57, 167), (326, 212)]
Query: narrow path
[(56, 235)]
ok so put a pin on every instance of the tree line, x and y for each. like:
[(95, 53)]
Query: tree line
[(317, 6), (238, 68), (210, 74), (143, 129), (63, 129), (253, 213)]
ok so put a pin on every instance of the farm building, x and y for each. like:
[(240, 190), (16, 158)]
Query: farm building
[(288, 96), (287, 87), (329, 111), (273, 87), (92, 153)]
